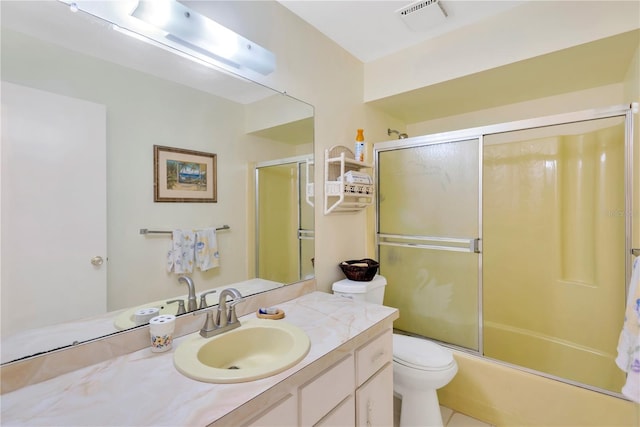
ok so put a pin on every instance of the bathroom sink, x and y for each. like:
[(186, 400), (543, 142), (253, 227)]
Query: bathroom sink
[(257, 349), (126, 319)]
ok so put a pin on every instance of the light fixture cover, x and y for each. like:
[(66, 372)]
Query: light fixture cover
[(174, 25)]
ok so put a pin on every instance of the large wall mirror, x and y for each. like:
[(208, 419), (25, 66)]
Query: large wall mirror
[(82, 108)]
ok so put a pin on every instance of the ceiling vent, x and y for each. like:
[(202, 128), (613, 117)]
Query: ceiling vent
[(422, 15)]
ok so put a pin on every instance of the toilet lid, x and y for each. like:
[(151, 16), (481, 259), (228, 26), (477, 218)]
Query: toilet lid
[(420, 353)]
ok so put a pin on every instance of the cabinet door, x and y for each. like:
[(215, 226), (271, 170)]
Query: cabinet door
[(283, 413), (323, 393), (343, 415), (374, 400)]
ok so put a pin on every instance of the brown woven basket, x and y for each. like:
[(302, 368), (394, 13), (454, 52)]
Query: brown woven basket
[(360, 270)]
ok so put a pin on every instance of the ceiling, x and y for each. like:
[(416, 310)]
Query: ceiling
[(370, 29)]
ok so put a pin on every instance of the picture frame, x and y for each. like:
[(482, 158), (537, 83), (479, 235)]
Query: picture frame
[(185, 176)]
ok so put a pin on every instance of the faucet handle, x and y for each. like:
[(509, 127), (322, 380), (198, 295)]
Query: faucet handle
[(203, 298), (180, 302), (233, 318)]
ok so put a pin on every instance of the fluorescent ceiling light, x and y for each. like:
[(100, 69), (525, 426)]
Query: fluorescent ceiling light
[(173, 24)]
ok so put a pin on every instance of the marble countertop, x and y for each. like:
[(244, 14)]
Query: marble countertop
[(144, 388)]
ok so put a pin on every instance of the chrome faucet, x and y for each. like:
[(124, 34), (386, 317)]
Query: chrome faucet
[(203, 298), (226, 318), (192, 302)]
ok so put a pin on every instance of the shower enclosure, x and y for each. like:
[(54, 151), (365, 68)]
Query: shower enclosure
[(513, 241), (284, 221)]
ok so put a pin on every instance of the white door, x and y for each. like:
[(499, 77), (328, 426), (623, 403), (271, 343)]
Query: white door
[(53, 208)]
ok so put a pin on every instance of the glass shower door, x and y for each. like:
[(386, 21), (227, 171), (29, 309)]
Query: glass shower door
[(554, 249), (429, 236)]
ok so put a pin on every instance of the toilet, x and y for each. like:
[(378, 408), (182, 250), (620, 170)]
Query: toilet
[(420, 366)]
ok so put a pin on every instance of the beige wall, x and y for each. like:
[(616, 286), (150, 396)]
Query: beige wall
[(602, 96), (532, 29)]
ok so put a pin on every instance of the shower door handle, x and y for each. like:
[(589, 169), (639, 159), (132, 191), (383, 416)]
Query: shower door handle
[(305, 234), (455, 244)]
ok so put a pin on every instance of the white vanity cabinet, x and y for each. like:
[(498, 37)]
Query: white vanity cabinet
[(357, 390), (374, 374)]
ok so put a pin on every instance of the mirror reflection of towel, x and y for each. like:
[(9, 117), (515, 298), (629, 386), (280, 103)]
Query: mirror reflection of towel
[(181, 254), (207, 256)]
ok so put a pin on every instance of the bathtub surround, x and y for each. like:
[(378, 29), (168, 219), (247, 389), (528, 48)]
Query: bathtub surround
[(505, 396)]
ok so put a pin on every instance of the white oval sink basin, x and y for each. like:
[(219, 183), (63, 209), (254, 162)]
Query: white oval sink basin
[(257, 349)]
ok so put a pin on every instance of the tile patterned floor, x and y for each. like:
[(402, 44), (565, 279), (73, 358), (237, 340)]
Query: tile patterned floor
[(450, 418)]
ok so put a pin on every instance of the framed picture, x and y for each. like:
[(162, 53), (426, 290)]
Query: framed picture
[(183, 175)]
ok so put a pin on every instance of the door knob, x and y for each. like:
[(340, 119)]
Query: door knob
[(97, 260)]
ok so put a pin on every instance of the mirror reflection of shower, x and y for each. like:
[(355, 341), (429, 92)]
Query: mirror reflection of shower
[(284, 220), (400, 135)]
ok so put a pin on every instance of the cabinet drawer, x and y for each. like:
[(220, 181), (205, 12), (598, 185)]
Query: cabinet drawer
[(373, 355), (323, 393)]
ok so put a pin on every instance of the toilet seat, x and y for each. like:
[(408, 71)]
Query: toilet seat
[(418, 353)]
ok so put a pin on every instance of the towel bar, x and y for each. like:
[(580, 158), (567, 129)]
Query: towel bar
[(635, 251), (147, 231)]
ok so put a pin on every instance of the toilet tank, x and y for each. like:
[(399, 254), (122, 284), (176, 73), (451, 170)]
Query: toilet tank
[(371, 291)]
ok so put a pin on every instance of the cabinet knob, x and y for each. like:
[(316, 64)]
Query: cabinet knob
[(97, 260)]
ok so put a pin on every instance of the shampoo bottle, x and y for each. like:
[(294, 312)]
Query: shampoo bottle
[(360, 146)]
